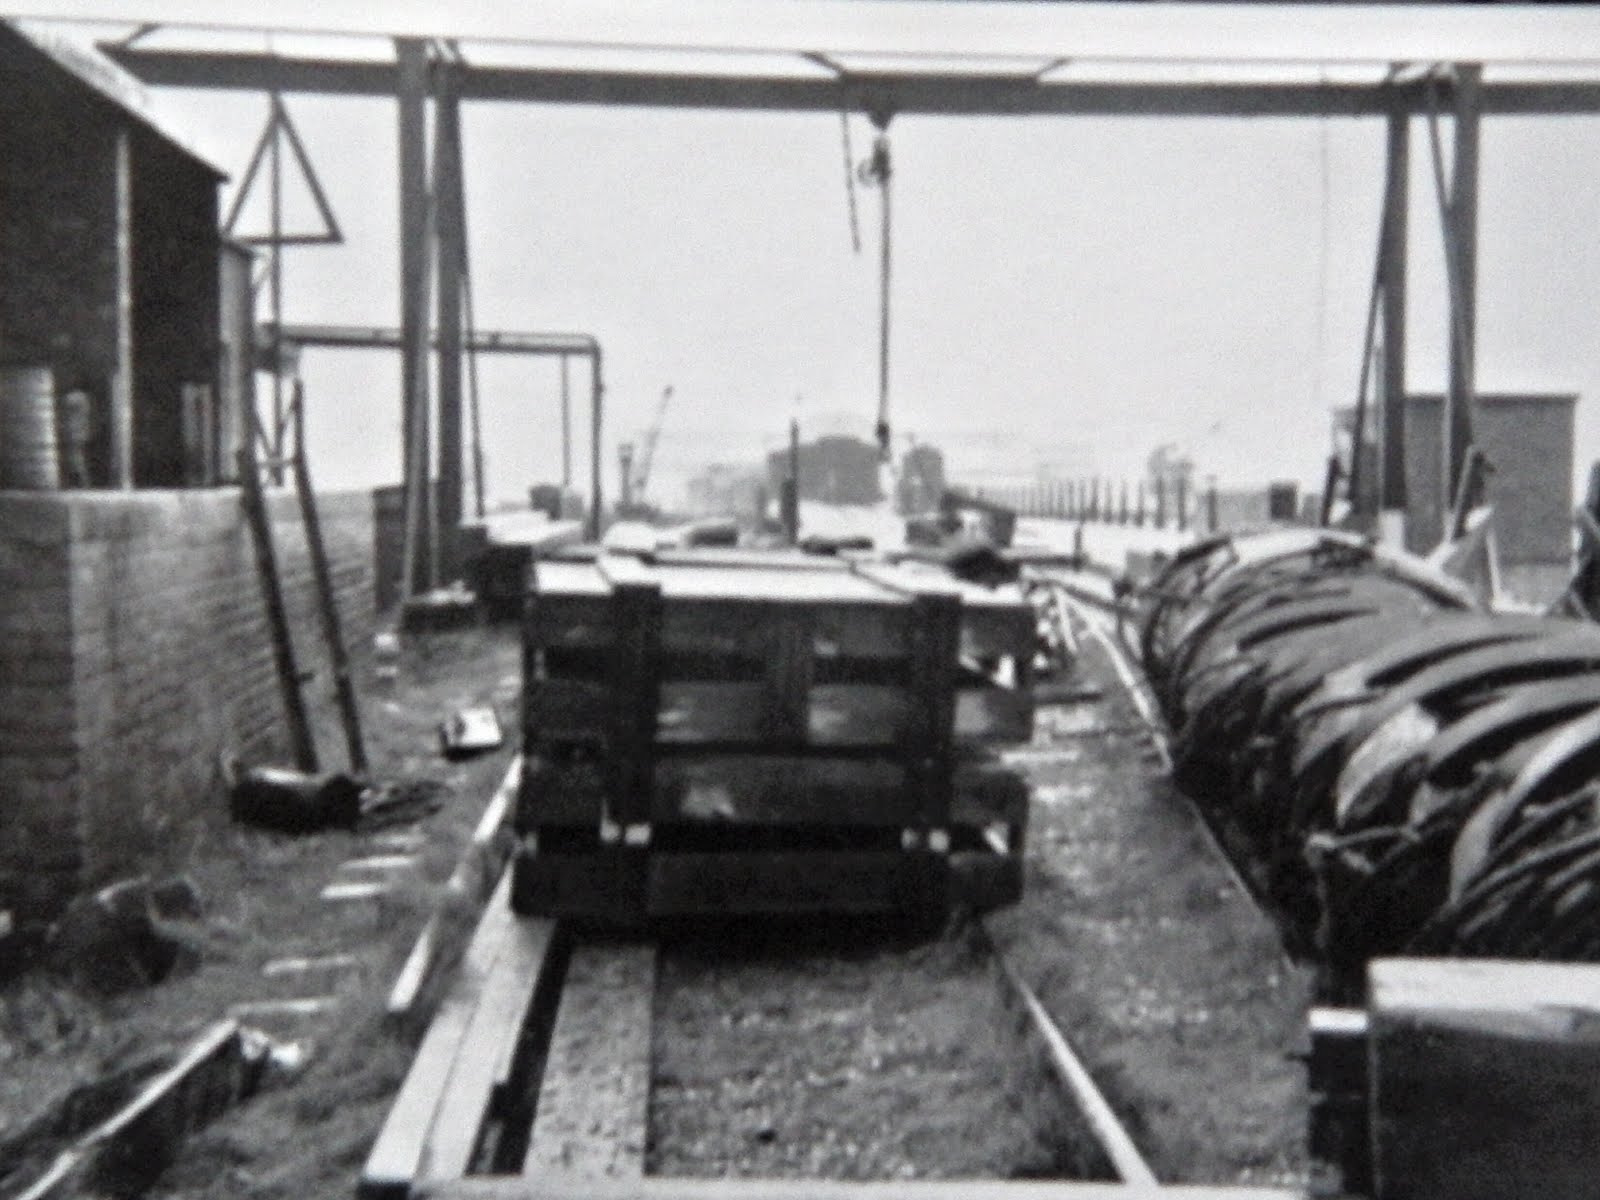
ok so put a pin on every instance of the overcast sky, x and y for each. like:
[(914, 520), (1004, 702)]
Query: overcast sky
[(1067, 291)]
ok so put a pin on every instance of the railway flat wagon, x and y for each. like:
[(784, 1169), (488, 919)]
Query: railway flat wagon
[(738, 733)]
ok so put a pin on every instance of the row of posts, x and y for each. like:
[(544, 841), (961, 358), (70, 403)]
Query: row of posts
[(1158, 504)]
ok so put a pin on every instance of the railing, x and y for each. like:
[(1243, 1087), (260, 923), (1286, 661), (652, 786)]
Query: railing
[(1161, 505)]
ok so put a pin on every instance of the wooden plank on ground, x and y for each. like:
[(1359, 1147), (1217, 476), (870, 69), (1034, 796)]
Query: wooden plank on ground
[(1485, 1078), (124, 1154), (493, 1030), (480, 864), (393, 1162), (595, 1095), (560, 1187)]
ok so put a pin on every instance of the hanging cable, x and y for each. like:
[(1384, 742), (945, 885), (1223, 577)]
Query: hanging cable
[(877, 171), (850, 181)]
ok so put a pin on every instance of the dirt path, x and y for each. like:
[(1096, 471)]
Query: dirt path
[(1165, 975)]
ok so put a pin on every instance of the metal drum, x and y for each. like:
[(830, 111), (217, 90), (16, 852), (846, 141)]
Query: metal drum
[(29, 458)]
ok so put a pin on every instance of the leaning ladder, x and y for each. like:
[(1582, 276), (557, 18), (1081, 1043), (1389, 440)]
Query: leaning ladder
[(290, 677)]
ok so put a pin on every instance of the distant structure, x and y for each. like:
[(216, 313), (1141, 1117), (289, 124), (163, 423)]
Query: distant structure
[(1527, 439), (922, 479), (833, 470), (723, 489)]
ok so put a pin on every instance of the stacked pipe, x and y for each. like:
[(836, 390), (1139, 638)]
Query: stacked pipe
[(1413, 774)]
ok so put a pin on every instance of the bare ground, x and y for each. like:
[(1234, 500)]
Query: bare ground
[(260, 898), (1164, 973)]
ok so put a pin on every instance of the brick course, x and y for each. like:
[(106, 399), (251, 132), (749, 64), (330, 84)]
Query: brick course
[(135, 656)]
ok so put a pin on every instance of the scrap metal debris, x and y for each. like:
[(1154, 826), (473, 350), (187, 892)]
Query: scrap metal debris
[(471, 731), (1415, 774)]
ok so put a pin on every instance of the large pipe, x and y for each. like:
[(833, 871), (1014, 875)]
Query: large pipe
[(564, 345)]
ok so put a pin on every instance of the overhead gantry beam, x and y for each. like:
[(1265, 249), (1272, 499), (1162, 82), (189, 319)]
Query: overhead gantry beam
[(932, 94)]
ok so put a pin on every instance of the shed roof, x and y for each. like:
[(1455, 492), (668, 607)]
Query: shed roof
[(106, 79)]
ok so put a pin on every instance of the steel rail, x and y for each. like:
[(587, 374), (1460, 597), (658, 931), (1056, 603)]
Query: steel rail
[(1157, 732), (405, 1146)]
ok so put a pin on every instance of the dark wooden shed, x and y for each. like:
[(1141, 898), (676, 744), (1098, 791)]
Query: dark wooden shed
[(109, 254)]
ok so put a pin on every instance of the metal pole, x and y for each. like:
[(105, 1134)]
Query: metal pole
[(327, 606), (1392, 477), (1464, 235), (596, 501), (275, 164), (412, 62), (566, 429), (449, 202), (474, 407), (792, 515)]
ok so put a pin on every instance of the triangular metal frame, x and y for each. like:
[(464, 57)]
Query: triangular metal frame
[(278, 120)]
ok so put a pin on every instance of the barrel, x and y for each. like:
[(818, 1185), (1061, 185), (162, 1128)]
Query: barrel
[(28, 455)]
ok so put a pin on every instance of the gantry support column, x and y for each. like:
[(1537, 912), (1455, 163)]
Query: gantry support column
[(1392, 282), (449, 205), (1462, 246), (412, 58)]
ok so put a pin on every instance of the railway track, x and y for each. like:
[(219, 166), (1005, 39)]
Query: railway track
[(775, 1058), (803, 1052)]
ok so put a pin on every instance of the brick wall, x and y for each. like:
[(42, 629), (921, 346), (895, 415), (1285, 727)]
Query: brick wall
[(136, 656), (40, 746)]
